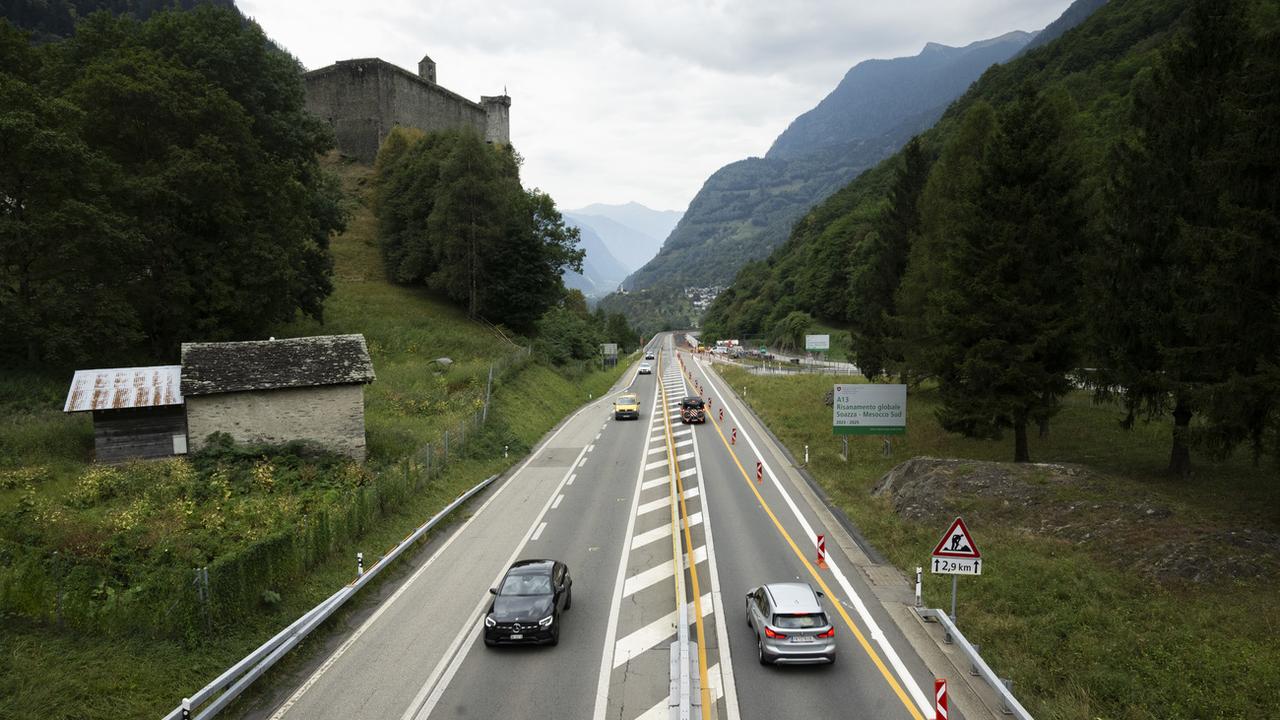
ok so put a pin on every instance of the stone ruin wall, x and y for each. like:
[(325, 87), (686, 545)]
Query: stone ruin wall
[(364, 99)]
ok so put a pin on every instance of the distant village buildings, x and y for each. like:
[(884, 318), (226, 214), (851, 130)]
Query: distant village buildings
[(268, 391), (362, 100)]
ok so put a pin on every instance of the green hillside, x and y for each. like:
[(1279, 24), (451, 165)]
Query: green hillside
[(119, 544), (1095, 63)]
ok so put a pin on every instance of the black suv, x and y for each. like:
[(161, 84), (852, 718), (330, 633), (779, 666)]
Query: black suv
[(527, 603), (692, 410)]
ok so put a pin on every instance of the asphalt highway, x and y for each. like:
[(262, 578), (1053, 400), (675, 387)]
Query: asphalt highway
[(603, 496)]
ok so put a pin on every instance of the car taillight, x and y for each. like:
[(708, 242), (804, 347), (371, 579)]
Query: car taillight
[(768, 632), (828, 634)]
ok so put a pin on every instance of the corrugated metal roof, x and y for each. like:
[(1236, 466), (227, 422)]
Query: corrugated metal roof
[(116, 388)]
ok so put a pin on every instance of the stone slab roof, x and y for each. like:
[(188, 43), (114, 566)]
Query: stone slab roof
[(120, 388), (210, 368)]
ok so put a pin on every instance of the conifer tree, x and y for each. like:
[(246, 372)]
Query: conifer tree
[(879, 264), (1004, 316)]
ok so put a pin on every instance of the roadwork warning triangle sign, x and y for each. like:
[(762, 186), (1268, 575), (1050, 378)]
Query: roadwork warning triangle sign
[(957, 543)]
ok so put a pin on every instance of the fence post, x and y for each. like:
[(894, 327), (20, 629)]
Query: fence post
[(445, 460), (488, 392)]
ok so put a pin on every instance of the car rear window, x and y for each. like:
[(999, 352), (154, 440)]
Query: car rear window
[(693, 402), (800, 622), (627, 400)]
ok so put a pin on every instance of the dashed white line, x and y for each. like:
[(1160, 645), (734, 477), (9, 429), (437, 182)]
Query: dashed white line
[(572, 478), (556, 503), (538, 533)]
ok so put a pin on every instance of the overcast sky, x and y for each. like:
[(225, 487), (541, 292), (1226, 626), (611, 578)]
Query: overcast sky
[(619, 101)]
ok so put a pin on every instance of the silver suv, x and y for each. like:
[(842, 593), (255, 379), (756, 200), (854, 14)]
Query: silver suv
[(790, 624)]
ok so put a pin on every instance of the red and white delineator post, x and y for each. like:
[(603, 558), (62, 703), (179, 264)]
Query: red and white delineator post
[(733, 439), (822, 551), (721, 414), (940, 699), (759, 472)]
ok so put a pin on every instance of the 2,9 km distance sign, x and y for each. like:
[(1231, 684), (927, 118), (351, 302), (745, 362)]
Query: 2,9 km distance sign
[(957, 553)]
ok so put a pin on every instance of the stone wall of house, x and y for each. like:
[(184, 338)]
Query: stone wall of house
[(330, 415)]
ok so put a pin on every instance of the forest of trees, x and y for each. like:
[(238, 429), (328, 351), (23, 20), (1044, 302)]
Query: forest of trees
[(1102, 211), (453, 216), (160, 183)]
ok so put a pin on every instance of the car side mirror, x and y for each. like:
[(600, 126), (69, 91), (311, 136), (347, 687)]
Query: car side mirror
[(493, 591), (819, 593)]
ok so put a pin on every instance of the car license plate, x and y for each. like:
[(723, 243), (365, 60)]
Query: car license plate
[(801, 638), (517, 636)]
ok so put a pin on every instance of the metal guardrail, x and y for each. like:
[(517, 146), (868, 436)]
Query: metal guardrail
[(1011, 704), (236, 679)]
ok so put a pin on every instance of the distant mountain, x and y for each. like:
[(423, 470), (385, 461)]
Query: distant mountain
[(747, 208), (1071, 17), (654, 223), (601, 271), (631, 247)]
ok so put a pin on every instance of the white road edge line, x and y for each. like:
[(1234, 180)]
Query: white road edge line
[(876, 633), (730, 689), (346, 645), (615, 604)]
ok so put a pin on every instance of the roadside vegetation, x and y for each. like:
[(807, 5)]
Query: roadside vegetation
[(278, 527), (1107, 591), (1101, 210)]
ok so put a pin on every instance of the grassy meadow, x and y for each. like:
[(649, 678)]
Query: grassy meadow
[(142, 527), (1077, 620)]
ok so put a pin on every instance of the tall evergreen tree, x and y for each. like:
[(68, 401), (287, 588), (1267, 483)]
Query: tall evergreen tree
[(879, 264), (1187, 268), (1005, 314)]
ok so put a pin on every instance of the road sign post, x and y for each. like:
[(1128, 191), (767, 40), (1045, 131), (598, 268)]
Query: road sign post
[(956, 554)]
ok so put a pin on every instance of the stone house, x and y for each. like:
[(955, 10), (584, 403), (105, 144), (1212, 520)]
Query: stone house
[(275, 391), (137, 411)]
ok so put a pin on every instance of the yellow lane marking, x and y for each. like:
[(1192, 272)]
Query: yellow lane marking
[(862, 640), (673, 470)]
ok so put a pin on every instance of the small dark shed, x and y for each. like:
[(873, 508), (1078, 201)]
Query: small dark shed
[(137, 412), (275, 391)]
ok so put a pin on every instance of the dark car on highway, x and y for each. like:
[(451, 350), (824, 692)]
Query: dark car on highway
[(527, 604), (692, 410)]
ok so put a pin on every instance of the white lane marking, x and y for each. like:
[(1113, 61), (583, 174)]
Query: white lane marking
[(650, 484), (722, 681), (572, 478), (684, 443), (876, 633), (663, 571), (591, 447), (686, 431), (650, 635), (598, 435), (688, 472), (433, 689), (685, 456), (662, 710), (615, 604), (584, 459), (662, 503), (556, 503), (659, 533), (656, 464), (385, 605), (660, 448), (538, 533), (650, 536)]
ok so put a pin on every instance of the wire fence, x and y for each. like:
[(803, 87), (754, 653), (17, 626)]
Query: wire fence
[(99, 595)]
